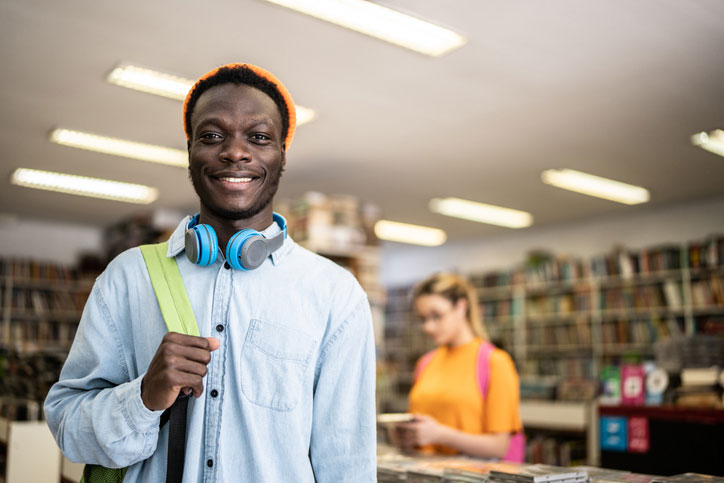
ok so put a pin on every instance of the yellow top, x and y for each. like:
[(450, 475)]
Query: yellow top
[(448, 390)]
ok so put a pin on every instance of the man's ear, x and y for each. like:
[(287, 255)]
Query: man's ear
[(188, 145), (284, 158)]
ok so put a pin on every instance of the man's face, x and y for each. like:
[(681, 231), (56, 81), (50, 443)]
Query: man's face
[(236, 153)]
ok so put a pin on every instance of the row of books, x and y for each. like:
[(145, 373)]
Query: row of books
[(33, 269), (554, 337), (659, 295), (541, 267), (626, 264), (708, 292), (564, 367), (562, 304), (39, 335), (708, 253), (643, 330), (45, 302), (492, 309), (545, 267), (503, 278)]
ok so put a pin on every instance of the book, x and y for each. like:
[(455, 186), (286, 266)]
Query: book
[(538, 473)]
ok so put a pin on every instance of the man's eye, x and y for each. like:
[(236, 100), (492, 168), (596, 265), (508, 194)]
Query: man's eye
[(260, 137), (211, 136)]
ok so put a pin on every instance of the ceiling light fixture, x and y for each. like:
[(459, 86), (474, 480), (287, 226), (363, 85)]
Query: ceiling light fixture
[(592, 185), (84, 186), (407, 233), (171, 86), (481, 212), (121, 147), (712, 141), (380, 22)]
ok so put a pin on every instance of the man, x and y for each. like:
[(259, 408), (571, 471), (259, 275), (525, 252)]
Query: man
[(283, 377)]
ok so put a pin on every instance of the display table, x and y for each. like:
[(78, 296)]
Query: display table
[(394, 466)]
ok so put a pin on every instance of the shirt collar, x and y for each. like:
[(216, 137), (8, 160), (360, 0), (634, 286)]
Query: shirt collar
[(177, 240)]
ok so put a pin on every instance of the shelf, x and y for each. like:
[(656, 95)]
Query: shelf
[(51, 315), (708, 309), (632, 313), (48, 284), (646, 347), (555, 415), (553, 348), (568, 317), (640, 278)]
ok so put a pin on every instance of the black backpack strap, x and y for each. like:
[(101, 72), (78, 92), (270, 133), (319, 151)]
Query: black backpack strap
[(176, 418)]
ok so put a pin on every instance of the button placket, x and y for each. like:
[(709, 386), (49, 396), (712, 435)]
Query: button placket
[(216, 376)]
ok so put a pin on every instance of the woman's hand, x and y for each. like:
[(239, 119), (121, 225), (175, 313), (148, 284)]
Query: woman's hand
[(423, 430)]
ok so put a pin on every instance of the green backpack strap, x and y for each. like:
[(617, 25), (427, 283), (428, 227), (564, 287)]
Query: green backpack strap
[(178, 315), (170, 290)]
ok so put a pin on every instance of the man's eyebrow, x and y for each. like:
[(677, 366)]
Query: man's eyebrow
[(250, 121)]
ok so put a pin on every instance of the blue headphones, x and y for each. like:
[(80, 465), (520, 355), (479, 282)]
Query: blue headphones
[(246, 250)]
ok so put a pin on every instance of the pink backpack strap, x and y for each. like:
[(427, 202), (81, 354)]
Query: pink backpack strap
[(516, 448), (422, 364), (483, 367)]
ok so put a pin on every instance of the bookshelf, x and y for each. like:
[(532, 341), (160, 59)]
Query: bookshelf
[(564, 319), (41, 305)]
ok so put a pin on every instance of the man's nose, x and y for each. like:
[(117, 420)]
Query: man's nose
[(236, 149)]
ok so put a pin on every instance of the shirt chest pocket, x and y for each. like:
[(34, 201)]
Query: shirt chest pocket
[(273, 362)]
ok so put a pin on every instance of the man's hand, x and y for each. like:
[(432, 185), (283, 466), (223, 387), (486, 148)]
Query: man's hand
[(179, 363)]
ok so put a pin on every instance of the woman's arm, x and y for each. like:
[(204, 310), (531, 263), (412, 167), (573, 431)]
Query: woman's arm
[(425, 430)]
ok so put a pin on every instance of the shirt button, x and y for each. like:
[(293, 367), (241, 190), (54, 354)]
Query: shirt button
[(210, 463), (214, 393), (219, 328), (226, 265)]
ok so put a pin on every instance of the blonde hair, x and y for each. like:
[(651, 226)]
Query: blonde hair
[(454, 287)]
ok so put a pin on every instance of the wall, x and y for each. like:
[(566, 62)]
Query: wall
[(48, 241), (406, 264)]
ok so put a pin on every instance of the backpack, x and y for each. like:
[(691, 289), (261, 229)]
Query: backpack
[(516, 448), (179, 317)]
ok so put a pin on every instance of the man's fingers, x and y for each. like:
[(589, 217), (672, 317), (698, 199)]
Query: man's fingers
[(213, 343), (188, 340)]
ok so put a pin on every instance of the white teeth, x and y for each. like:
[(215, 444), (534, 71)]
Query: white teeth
[(236, 180)]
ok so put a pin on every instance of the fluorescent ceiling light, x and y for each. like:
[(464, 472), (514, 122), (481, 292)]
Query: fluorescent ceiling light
[(150, 81), (380, 22), (591, 185), (712, 141), (120, 147), (481, 212), (171, 86), (406, 233), (84, 186)]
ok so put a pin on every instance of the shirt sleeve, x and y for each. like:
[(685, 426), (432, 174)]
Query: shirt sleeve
[(501, 408), (95, 411), (343, 441)]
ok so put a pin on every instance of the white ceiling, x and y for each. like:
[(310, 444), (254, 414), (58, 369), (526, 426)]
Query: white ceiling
[(612, 87)]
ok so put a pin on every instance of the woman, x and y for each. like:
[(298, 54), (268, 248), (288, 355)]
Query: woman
[(451, 414)]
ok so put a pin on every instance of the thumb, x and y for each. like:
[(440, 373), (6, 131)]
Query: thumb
[(213, 343)]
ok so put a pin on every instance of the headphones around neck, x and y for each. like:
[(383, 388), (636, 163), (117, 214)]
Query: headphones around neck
[(246, 250)]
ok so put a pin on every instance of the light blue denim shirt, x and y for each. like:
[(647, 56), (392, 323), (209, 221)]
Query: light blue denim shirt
[(288, 397)]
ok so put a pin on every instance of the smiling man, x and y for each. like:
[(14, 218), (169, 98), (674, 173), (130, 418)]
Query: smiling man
[(283, 372)]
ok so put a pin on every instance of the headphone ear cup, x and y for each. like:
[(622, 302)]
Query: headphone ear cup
[(235, 247), (202, 246)]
